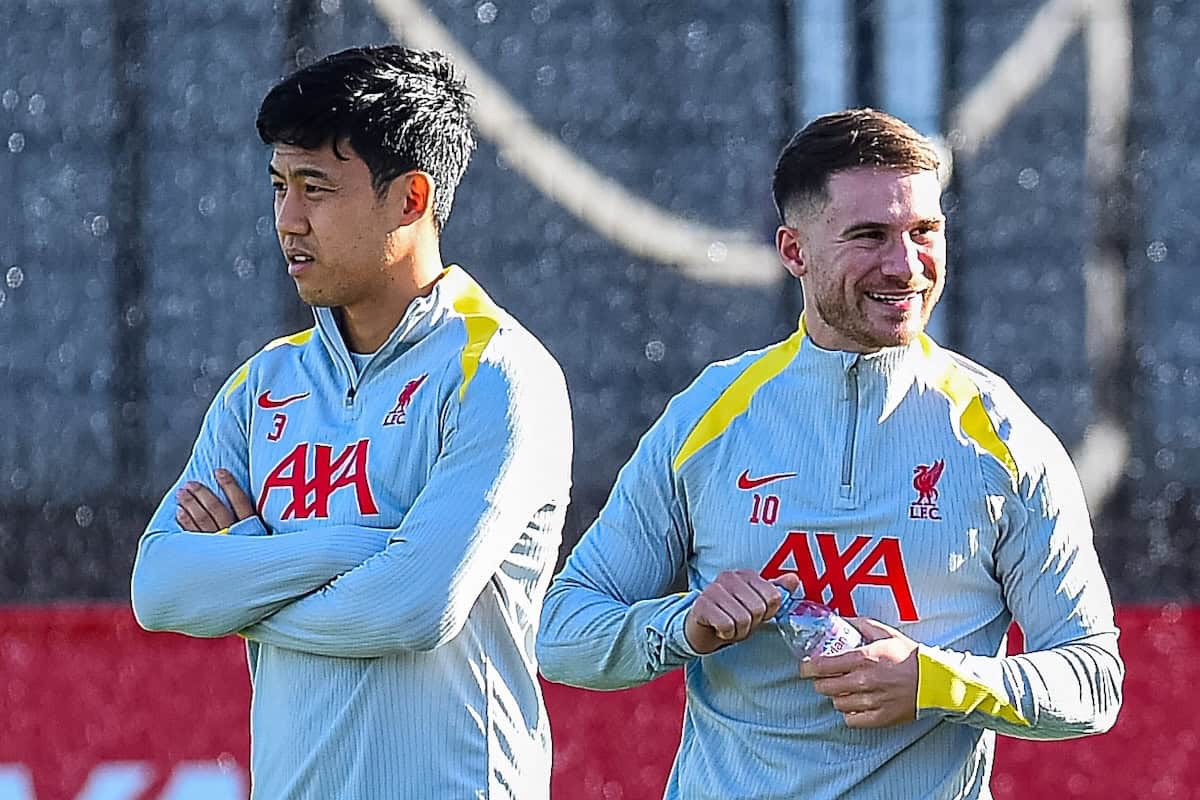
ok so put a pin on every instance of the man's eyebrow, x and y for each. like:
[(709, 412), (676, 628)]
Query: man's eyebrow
[(303, 172), (868, 227), (863, 227)]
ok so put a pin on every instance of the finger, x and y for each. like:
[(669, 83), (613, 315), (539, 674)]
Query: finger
[(185, 520), (243, 506), (872, 629), (863, 719), (830, 666), (768, 592), (215, 506), (788, 580), (755, 595), (724, 614), (853, 683), (188, 501), (856, 703)]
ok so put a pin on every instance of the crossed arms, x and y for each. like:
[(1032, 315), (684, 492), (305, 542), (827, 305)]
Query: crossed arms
[(352, 590)]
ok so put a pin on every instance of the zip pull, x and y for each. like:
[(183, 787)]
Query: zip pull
[(350, 393)]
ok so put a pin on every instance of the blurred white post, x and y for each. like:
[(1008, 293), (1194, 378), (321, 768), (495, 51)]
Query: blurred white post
[(911, 64), (822, 63), (822, 46)]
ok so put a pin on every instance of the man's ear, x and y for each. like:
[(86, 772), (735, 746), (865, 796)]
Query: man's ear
[(411, 197), (791, 251)]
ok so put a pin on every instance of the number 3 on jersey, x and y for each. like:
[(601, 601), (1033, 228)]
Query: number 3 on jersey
[(277, 427), (766, 509)]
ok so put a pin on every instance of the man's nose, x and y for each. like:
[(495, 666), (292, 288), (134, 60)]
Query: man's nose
[(904, 259), (291, 217)]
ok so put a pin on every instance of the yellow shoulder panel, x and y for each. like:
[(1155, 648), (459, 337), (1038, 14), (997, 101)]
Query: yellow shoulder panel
[(482, 319), (238, 380), (974, 421), (939, 686), (296, 339), (736, 398)]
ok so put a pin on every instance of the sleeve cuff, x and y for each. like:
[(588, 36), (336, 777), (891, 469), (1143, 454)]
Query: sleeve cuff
[(250, 526), (945, 687), (667, 643)]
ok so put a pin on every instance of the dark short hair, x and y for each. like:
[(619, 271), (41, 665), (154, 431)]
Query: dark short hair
[(399, 109), (856, 137)]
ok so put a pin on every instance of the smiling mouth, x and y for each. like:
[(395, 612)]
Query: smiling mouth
[(895, 298)]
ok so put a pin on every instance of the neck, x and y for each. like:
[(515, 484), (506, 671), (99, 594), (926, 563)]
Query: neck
[(367, 323), (827, 338)]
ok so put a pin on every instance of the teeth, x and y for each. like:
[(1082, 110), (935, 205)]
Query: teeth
[(301, 258), (891, 298)]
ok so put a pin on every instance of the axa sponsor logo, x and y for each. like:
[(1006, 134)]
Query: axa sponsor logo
[(310, 483), (866, 561), (398, 413), (925, 478), (131, 780), (747, 483)]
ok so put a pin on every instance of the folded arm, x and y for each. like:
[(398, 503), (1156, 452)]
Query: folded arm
[(212, 585), (503, 473)]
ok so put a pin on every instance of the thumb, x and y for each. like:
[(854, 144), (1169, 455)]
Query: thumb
[(872, 629), (788, 580)]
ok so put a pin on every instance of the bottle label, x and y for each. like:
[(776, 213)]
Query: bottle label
[(813, 629)]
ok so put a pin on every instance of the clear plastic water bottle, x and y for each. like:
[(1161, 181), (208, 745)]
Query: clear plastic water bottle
[(813, 629)]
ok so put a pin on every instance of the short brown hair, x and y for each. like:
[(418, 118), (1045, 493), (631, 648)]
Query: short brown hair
[(856, 137)]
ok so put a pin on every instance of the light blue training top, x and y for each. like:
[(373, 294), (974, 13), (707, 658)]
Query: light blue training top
[(910, 486), (410, 515)]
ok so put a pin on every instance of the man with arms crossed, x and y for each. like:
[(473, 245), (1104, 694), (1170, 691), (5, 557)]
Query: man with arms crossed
[(394, 478), (896, 481)]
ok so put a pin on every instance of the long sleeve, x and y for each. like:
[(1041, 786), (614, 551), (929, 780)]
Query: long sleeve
[(1068, 682), (213, 585), (606, 624), (503, 469)]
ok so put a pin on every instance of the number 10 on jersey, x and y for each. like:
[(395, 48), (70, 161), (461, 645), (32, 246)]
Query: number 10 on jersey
[(766, 509)]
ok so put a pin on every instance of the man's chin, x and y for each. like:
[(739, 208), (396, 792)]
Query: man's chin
[(313, 296), (899, 336)]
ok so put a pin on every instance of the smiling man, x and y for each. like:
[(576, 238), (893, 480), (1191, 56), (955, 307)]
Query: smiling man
[(878, 473), (390, 484)]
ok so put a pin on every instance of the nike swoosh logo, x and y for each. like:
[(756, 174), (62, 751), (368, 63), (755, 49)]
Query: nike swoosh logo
[(266, 401), (744, 480)]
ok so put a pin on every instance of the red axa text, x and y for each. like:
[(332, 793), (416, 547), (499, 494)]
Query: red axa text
[(866, 561), (310, 495)]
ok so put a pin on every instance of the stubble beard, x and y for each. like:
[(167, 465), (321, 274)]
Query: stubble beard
[(852, 323)]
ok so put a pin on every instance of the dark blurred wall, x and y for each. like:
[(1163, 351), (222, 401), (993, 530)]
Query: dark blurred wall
[(139, 266)]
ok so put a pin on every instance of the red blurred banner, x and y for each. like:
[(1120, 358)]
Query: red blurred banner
[(93, 707)]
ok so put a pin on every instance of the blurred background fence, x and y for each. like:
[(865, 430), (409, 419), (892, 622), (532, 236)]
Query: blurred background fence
[(619, 206)]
